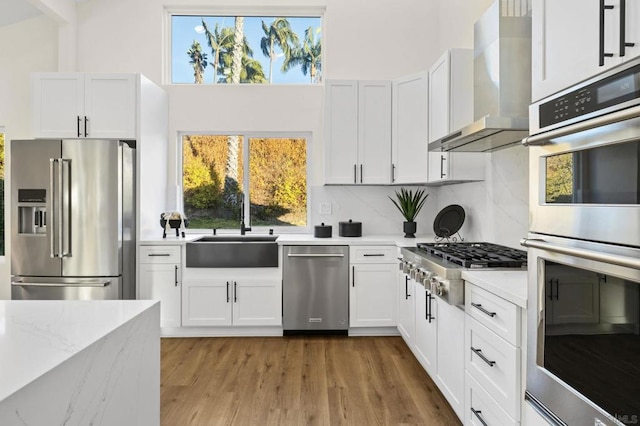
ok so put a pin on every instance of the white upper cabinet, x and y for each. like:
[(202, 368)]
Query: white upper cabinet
[(450, 108), (358, 132), (409, 129), (570, 44), (78, 105)]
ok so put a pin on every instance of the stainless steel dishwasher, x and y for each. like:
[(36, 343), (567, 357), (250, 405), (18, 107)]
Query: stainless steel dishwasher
[(315, 289)]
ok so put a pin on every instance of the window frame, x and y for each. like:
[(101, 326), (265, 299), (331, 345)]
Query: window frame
[(246, 136), (311, 11)]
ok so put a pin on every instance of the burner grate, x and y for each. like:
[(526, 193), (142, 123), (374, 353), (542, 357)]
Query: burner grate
[(477, 255)]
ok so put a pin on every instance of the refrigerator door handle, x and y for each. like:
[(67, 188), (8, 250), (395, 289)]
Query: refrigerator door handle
[(54, 284), (65, 197), (53, 166)]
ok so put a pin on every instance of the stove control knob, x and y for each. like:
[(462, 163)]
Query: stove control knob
[(426, 277)]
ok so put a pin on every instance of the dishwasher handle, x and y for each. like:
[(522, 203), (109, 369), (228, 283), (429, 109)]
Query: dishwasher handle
[(315, 255)]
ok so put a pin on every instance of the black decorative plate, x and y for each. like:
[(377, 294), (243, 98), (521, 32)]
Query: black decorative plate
[(449, 221)]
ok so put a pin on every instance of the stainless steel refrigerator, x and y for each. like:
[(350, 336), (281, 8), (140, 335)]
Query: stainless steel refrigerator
[(72, 219)]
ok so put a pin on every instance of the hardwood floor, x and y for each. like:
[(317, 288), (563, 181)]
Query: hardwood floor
[(318, 380)]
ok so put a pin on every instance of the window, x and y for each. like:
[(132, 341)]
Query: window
[(274, 49), (224, 176)]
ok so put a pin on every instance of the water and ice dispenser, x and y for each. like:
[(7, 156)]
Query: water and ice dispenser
[(32, 211)]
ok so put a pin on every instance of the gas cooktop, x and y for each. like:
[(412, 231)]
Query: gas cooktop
[(439, 265), (476, 255)]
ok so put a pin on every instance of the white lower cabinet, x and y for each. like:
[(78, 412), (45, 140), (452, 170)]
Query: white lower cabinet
[(212, 298), (372, 289), (406, 309), (426, 329), (450, 353), (438, 339), (160, 279), (493, 359), (482, 409)]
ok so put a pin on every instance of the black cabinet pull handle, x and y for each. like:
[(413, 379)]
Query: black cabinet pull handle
[(158, 254), (550, 289), (426, 306), (603, 9), (478, 416), (353, 276), (227, 291), (406, 287), (355, 173), (479, 307), (623, 28), (235, 292), (78, 125), (442, 175), (482, 357), (360, 173), (557, 289), (86, 125), (176, 275), (373, 255)]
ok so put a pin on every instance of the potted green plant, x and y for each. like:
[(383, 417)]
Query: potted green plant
[(409, 204)]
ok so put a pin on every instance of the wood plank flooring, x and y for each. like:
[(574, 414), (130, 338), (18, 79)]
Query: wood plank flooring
[(315, 380)]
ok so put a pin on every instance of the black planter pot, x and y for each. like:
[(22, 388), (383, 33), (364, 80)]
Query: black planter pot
[(409, 229)]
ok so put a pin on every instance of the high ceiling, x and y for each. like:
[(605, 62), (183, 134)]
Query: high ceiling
[(12, 11)]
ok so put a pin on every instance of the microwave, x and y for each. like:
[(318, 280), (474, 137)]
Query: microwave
[(585, 160)]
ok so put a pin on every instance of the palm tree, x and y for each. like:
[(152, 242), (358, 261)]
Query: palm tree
[(198, 60), (231, 187), (217, 40), (308, 56), (280, 34)]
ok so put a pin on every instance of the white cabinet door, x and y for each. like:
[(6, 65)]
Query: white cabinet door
[(372, 301), (453, 167), (206, 302), (78, 105), (451, 108), (409, 127), (374, 132), (406, 309), (57, 105), (426, 329), (341, 132), (566, 42), (632, 29), (450, 350), (450, 93), (257, 302), (160, 281), (110, 105), (357, 132)]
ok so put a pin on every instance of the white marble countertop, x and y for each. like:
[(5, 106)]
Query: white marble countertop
[(305, 239), (38, 335), (510, 285)]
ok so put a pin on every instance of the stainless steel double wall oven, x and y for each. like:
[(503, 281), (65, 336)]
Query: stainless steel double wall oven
[(584, 252)]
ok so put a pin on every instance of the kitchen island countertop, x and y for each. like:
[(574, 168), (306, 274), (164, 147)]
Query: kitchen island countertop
[(76, 357)]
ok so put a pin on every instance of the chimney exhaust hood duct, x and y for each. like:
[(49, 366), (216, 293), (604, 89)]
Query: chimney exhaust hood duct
[(501, 86)]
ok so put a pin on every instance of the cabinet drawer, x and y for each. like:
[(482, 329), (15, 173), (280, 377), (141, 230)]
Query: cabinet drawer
[(495, 364), (159, 254), (373, 254), (481, 409), (499, 315)]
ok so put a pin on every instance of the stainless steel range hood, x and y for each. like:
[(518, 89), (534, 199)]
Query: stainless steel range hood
[(501, 86)]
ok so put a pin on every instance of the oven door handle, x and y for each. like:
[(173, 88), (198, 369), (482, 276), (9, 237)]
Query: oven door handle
[(603, 120), (628, 262)]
